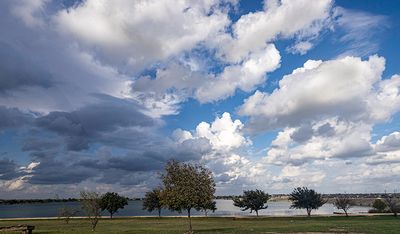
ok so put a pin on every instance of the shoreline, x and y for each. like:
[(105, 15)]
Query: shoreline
[(202, 216)]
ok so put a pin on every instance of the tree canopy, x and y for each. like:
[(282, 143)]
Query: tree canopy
[(152, 201), (305, 198), (186, 187), (253, 200), (112, 202), (379, 205)]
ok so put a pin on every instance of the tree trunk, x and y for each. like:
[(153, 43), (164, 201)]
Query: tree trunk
[(345, 211), (111, 214), (308, 212), (257, 213), (159, 213), (94, 224), (190, 221)]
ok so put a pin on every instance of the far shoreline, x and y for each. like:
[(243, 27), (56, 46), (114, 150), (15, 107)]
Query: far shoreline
[(361, 214)]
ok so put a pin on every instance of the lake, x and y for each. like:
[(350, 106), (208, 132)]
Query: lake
[(134, 208)]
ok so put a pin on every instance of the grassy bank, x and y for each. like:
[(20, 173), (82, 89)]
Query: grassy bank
[(358, 224)]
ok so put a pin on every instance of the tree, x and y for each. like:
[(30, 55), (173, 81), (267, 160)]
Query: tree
[(343, 203), (304, 198), (66, 213), (91, 205), (212, 206), (152, 201), (379, 205), (253, 200), (187, 187), (112, 202), (392, 203)]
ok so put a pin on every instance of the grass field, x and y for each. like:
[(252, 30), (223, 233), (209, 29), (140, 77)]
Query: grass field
[(359, 224)]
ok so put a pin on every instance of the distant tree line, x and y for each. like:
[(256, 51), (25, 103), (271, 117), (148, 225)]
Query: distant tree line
[(29, 201)]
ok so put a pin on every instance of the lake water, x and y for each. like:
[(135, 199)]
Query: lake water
[(134, 208)]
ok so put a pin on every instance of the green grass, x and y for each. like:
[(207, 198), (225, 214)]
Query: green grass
[(359, 224)]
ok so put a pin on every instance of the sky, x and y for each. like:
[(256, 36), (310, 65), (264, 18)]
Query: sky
[(98, 95)]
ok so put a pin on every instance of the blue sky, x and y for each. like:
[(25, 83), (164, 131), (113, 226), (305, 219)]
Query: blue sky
[(270, 95)]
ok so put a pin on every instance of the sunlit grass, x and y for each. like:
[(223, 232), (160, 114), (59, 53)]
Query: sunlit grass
[(359, 224)]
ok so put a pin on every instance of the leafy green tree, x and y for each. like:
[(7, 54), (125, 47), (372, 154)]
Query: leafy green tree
[(187, 187), (90, 202), (112, 202), (211, 206), (344, 203), (152, 201), (379, 205), (304, 198), (253, 200)]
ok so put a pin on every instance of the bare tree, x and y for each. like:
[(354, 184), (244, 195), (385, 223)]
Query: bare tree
[(66, 213), (91, 203), (392, 203), (344, 203)]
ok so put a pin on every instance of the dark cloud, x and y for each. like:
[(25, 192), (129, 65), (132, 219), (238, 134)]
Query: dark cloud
[(13, 118), (131, 162), (67, 167), (302, 134), (17, 71), (37, 144), (326, 130), (223, 178), (152, 159), (129, 179), (8, 169), (352, 110), (42, 155), (360, 148), (88, 123), (133, 139), (57, 172), (193, 149)]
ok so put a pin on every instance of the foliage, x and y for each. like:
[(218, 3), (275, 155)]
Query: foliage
[(253, 200), (212, 206), (343, 203), (66, 213), (152, 201), (112, 202), (90, 202), (392, 203), (187, 187), (379, 205), (305, 198)]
